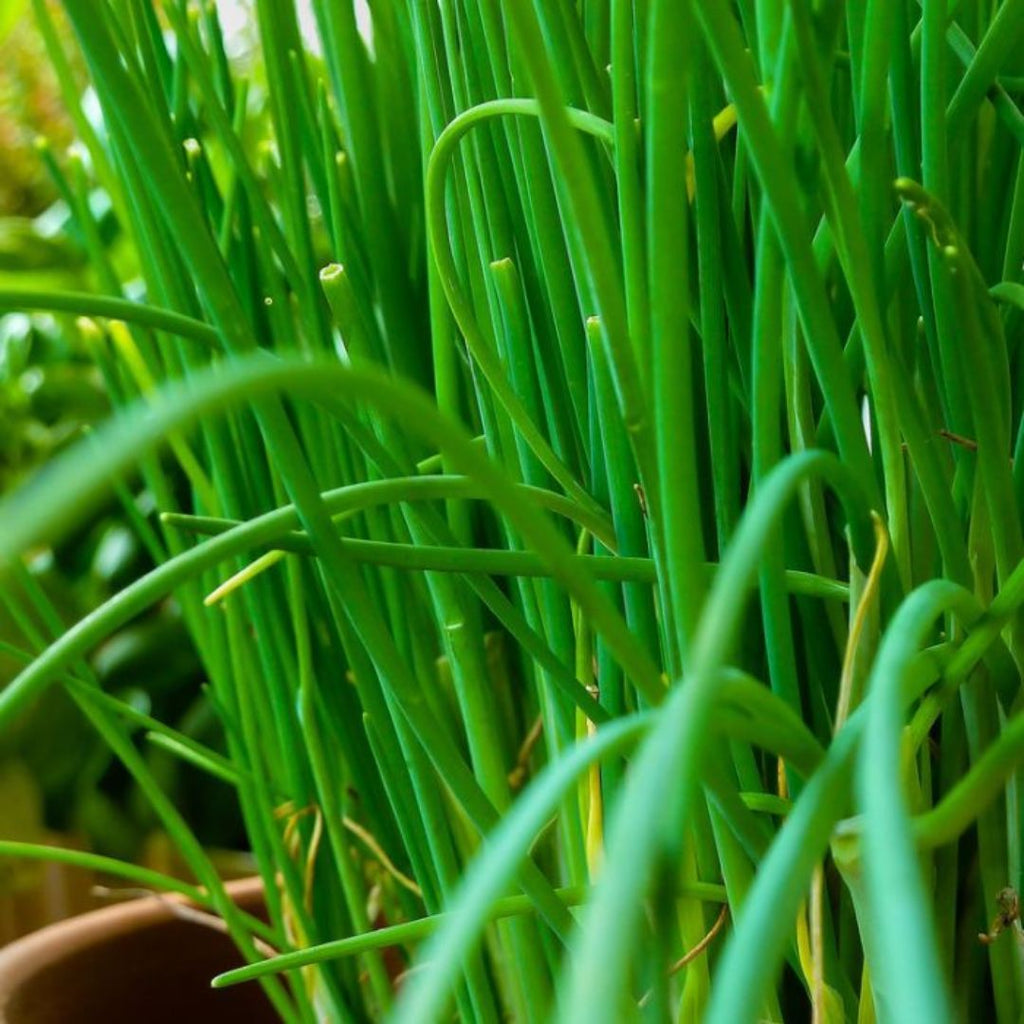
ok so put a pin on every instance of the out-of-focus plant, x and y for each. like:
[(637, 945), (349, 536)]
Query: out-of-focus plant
[(51, 393), (30, 106)]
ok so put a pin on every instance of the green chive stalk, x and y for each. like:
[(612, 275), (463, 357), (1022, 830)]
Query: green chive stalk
[(587, 446)]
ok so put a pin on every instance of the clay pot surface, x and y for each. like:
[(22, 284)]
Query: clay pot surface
[(133, 963)]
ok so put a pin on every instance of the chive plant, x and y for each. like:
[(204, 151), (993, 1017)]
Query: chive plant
[(601, 434)]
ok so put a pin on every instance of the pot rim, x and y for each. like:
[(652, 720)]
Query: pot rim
[(34, 953)]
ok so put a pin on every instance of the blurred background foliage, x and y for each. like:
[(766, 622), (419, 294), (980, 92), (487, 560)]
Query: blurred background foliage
[(30, 106), (58, 781), (48, 387)]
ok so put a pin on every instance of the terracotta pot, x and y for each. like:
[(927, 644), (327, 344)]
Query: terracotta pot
[(126, 964)]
